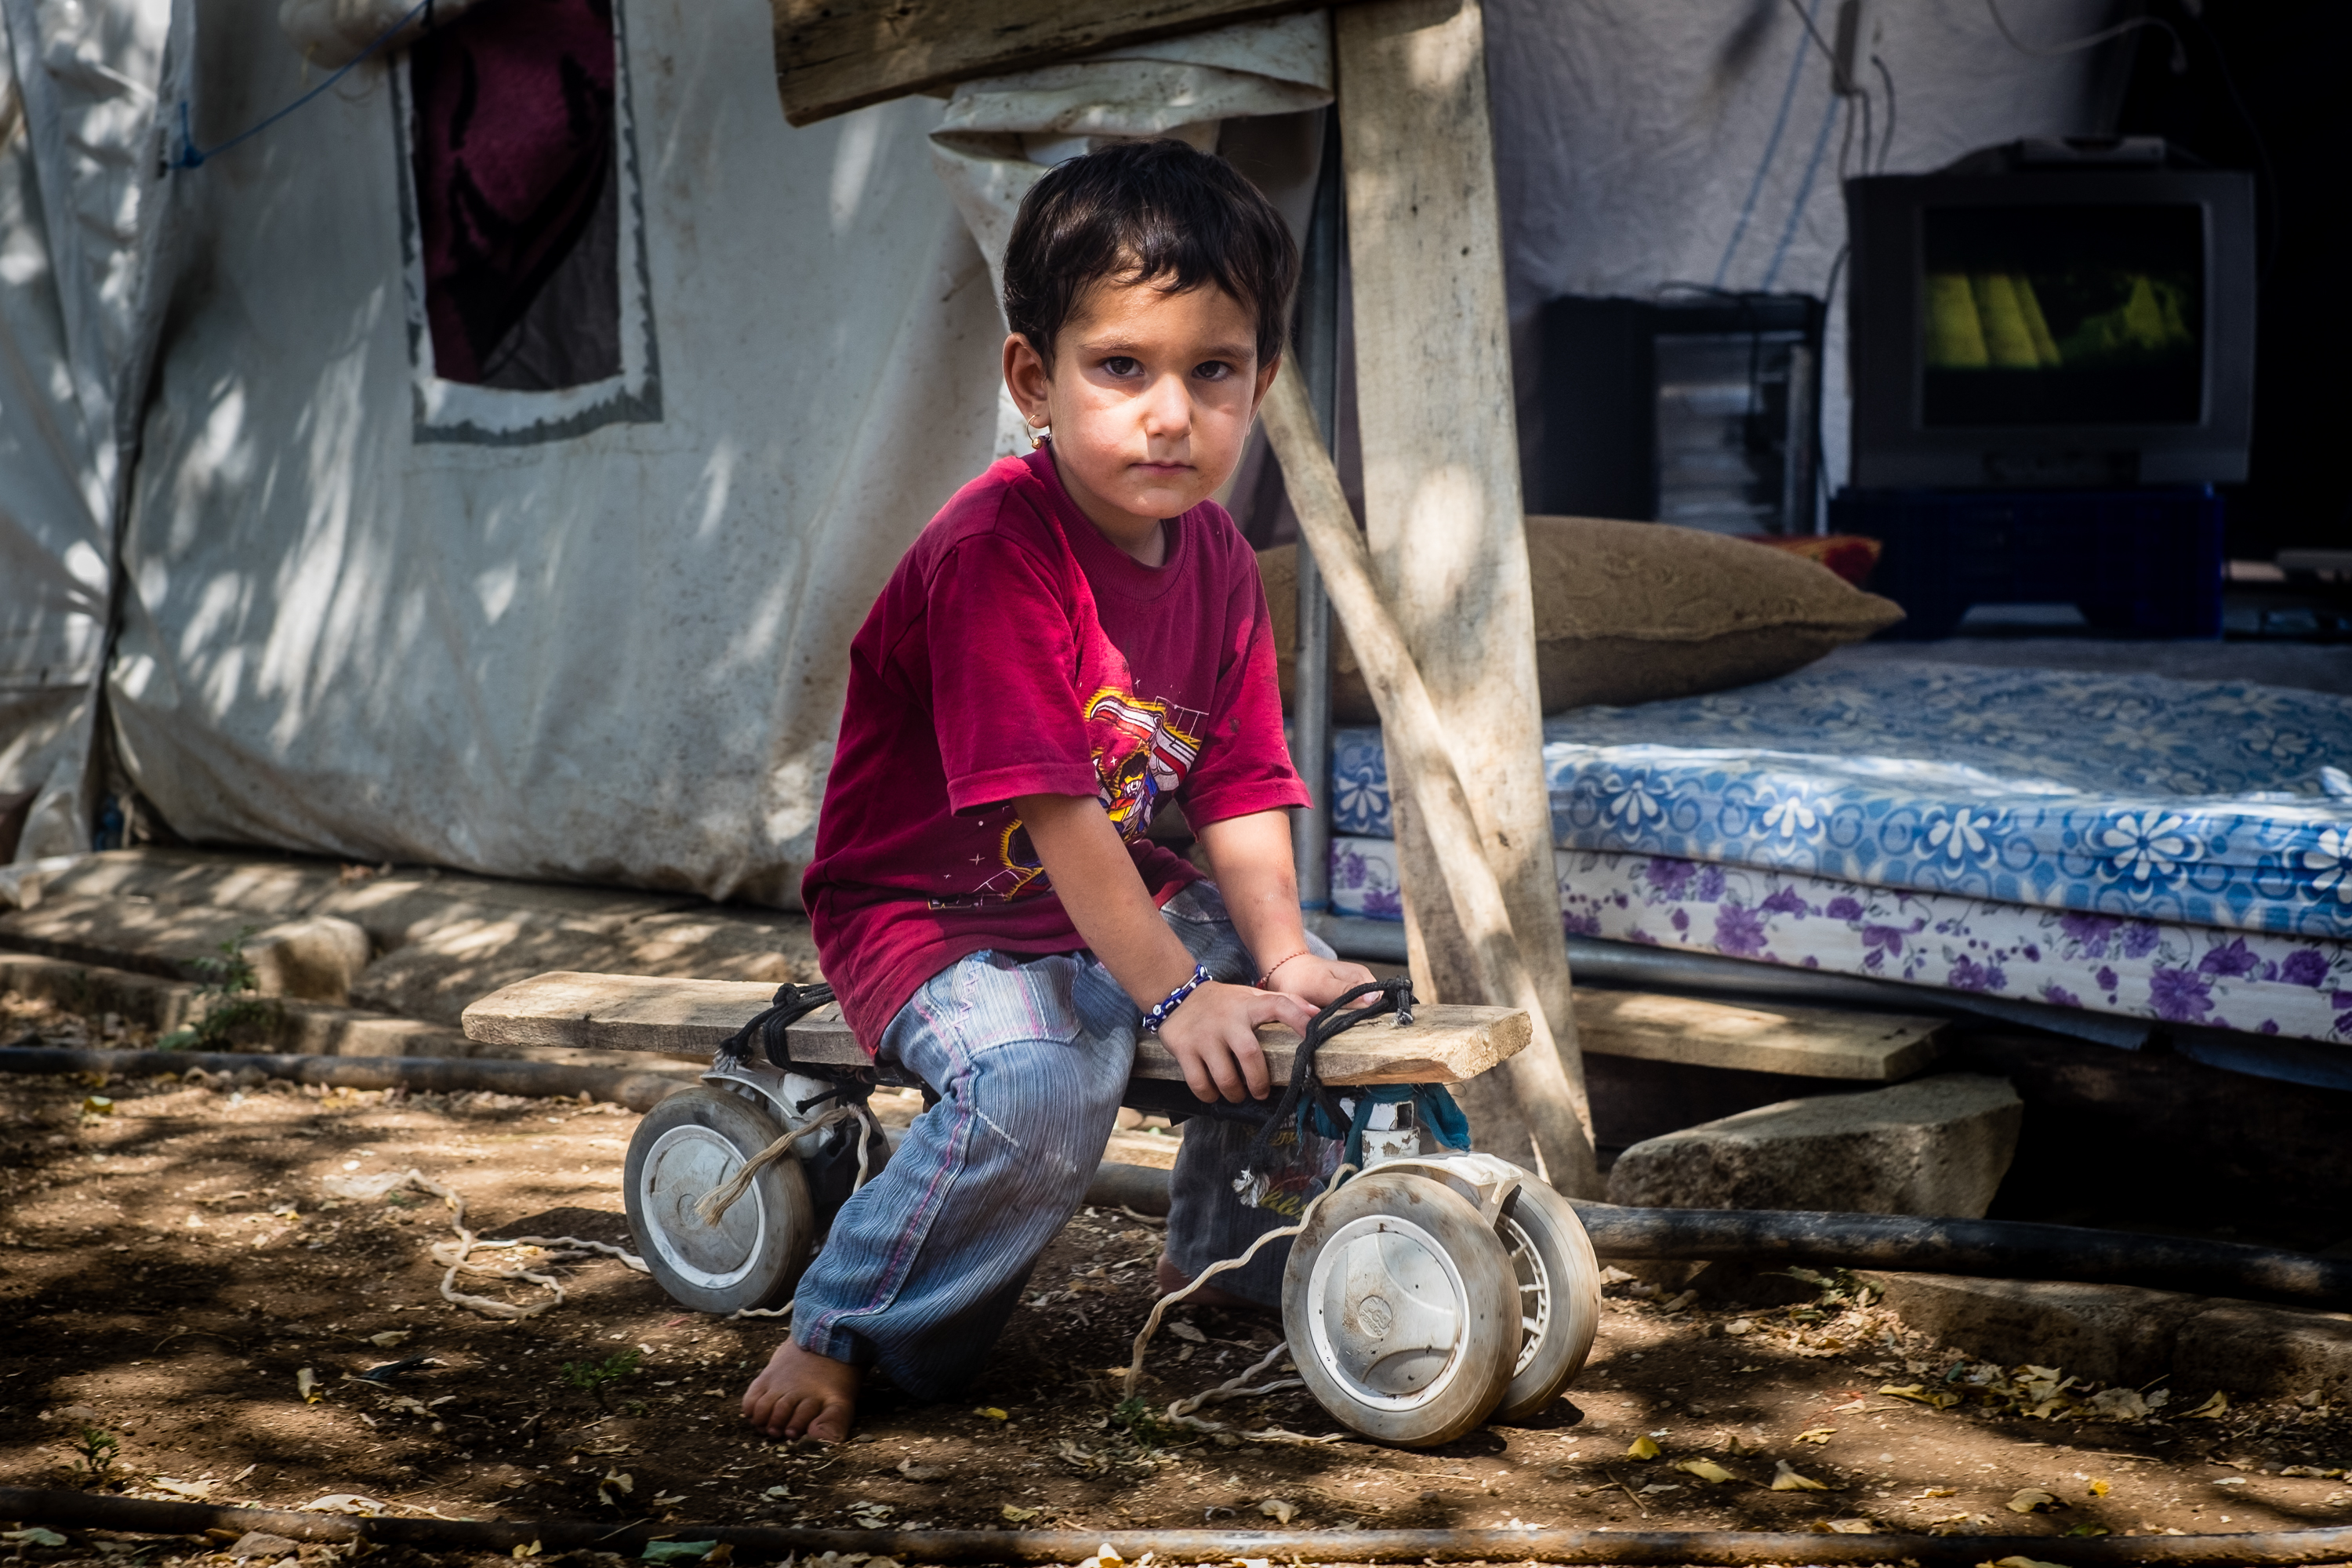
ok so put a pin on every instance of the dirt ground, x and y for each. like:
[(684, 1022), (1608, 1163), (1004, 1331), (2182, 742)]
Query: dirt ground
[(174, 1265)]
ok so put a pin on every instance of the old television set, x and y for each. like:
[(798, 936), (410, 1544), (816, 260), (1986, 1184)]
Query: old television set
[(2058, 314)]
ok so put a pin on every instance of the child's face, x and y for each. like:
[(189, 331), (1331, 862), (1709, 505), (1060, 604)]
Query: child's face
[(1149, 399)]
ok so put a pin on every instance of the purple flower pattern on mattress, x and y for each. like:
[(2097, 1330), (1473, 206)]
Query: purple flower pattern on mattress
[(2258, 982)]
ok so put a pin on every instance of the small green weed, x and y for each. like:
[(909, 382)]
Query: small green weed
[(98, 1448), (225, 999), (591, 1376), (1142, 1424)]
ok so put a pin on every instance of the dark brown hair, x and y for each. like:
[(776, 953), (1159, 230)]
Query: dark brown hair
[(1136, 211)]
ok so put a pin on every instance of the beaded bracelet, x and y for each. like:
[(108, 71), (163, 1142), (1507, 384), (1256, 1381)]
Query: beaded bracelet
[(1166, 1006), (1270, 974)]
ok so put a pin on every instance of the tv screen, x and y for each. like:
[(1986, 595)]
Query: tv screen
[(2075, 315), (2055, 316)]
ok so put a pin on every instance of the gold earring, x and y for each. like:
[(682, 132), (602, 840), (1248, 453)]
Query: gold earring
[(1039, 436)]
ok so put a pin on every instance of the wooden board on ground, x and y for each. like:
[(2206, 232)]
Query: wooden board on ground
[(833, 55), (1810, 1042), (691, 1017)]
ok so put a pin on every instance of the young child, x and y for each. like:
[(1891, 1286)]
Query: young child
[(1077, 635)]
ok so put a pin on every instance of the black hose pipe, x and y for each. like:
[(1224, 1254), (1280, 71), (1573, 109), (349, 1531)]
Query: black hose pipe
[(1999, 1249), (1728, 1548)]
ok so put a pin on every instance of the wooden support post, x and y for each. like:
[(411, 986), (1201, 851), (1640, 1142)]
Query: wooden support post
[(1533, 1097), (1443, 510)]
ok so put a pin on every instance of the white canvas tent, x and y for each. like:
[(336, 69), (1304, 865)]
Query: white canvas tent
[(356, 612)]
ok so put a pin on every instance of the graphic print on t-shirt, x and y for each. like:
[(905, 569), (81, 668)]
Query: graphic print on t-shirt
[(1143, 749)]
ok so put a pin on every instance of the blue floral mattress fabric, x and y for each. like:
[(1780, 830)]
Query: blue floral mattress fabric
[(2211, 803)]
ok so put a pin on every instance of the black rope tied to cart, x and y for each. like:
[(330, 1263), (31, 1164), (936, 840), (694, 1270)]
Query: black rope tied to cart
[(789, 1006), (1305, 1090)]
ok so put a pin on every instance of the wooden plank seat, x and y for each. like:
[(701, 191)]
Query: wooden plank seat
[(690, 1018)]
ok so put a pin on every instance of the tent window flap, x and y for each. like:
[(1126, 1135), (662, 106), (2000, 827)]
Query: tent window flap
[(522, 223)]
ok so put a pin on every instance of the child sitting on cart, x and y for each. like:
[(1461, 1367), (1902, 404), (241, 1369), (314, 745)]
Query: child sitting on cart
[(1078, 637)]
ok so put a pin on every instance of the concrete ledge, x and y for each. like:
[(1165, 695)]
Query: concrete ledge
[(437, 939), (128, 933), (313, 1028), (2124, 1335), (2267, 1349), (2112, 1334)]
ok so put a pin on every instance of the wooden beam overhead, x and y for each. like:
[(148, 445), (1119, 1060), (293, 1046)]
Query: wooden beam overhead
[(833, 55)]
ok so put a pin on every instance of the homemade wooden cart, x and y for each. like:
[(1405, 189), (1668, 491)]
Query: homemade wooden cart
[(1431, 1292)]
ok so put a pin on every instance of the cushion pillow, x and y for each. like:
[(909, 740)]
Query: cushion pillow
[(1634, 612)]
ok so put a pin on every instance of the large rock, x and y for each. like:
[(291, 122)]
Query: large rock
[(1935, 1146), (315, 958)]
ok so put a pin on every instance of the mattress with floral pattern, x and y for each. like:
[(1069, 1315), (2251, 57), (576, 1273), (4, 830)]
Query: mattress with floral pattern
[(2131, 844)]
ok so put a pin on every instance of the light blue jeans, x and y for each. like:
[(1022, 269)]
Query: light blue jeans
[(1029, 1056)]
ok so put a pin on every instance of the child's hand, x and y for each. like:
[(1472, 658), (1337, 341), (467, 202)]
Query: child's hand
[(1213, 1036), (1321, 981)]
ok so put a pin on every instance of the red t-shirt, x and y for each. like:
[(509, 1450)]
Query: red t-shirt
[(1016, 651)]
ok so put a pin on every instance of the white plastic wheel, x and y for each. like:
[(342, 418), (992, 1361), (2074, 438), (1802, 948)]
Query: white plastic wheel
[(1559, 1283), (1402, 1309), (685, 1147)]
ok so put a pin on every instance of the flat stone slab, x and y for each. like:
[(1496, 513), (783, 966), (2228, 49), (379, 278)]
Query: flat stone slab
[(227, 880), (690, 1017), (2124, 1335), (1935, 1146), (2106, 1333), (1806, 1042), (2267, 1349), (438, 973), (408, 905)]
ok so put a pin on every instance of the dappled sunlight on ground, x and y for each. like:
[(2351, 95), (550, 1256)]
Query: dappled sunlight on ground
[(174, 1261)]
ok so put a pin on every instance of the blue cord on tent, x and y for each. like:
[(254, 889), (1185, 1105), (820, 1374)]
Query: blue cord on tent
[(1764, 164), (1805, 194), (191, 157)]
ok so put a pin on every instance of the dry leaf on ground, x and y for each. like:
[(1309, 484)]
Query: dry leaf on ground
[(1936, 1398), (1785, 1479)]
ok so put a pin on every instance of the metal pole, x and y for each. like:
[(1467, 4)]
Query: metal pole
[(1318, 359)]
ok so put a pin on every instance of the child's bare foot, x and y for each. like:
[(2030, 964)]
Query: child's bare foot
[(1171, 1279), (801, 1392)]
